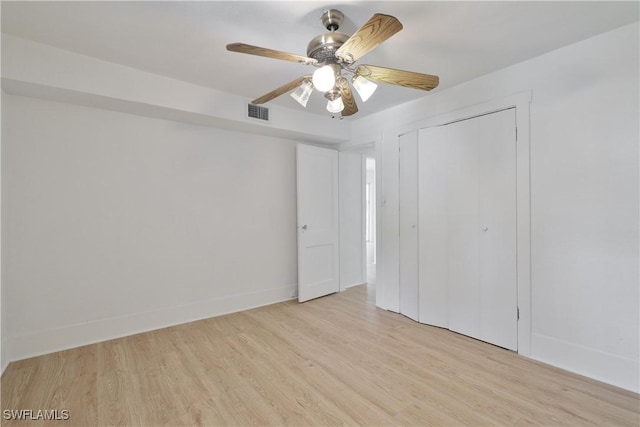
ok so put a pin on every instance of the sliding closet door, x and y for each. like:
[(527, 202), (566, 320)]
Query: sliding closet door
[(408, 144), (467, 223)]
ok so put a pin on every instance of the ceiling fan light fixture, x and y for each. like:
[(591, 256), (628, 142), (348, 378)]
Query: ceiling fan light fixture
[(303, 92), (364, 87), (335, 106), (335, 53), (324, 78)]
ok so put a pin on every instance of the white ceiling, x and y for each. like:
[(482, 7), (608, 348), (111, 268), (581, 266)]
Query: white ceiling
[(186, 39)]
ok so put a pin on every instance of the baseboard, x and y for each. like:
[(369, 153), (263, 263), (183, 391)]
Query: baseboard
[(608, 368), (49, 341), (354, 284)]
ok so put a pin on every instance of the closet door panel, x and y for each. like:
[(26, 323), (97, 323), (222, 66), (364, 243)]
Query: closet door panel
[(462, 171), (432, 228), (467, 227), (409, 224), (497, 250)]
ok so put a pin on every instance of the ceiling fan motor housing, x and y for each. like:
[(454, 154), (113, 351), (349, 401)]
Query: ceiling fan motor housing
[(323, 47)]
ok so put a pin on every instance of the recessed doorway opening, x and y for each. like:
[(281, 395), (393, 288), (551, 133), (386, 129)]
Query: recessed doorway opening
[(370, 222)]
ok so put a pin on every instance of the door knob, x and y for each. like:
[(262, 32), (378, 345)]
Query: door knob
[(485, 228), (304, 227)]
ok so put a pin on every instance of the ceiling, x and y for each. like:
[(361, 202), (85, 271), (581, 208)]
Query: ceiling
[(186, 39)]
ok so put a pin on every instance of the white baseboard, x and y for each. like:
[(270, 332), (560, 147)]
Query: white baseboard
[(49, 341), (354, 284), (609, 368)]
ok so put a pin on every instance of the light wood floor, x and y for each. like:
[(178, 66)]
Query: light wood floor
[(332, 361)]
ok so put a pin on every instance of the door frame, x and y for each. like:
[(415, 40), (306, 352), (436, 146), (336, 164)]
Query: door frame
[(521, 102), (360, 151)]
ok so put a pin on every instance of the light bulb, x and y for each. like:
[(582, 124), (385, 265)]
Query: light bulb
[(364, 87), (302, 93), (335, 106), (324, 78)]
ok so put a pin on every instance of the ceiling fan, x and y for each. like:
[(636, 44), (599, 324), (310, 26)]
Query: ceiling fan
[(334, 55)]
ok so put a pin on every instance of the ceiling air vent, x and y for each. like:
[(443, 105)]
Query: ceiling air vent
[(258, 112)]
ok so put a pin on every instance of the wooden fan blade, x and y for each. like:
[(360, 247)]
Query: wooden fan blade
[(349, 102), (377, 29), (270, 53), (398, 77), (280, 91)]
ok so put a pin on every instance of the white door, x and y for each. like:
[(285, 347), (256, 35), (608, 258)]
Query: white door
[(433, 226), (468, 227), (317, 190), (498, 228), (408, 144), (462, 175)]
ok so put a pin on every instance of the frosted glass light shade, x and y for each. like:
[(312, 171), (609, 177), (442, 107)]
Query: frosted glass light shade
[(302, 93), (335, 106), (364, 87), (324, 78)]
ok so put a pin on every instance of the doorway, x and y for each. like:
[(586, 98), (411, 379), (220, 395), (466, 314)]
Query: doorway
[(358, 219), (370, 224)]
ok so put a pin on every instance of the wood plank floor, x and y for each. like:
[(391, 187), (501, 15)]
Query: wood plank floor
[(337, 360)]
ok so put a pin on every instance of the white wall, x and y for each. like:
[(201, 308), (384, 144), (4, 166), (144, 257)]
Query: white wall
[(352, 255), (584, 138), (38, 70), (115, 223)]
